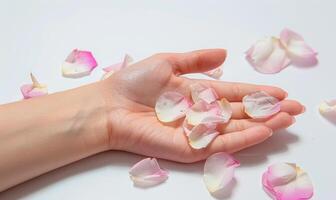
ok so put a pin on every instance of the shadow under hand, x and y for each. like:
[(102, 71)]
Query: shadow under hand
[(258, 154)]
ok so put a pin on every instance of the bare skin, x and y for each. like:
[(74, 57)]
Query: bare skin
[(44, 133)]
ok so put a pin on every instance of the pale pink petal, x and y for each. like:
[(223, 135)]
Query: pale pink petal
[(78, 64), (33, 90), (219, 171), (286, 181), (200, 136), (215, 73), (201, 92), (116, 67), (268, 56), (260, 105), (171, 106), (297, 49), (147, 172), (202, 112)]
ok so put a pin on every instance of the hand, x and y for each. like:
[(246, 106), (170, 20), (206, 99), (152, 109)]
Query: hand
[(132, 92)]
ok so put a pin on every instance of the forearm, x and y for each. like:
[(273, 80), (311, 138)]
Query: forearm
[(41, 134)]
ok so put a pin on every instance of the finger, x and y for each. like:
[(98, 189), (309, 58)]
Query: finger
[(276, 122), (239, 140), (291, 107), (236, 91), (196, 61)]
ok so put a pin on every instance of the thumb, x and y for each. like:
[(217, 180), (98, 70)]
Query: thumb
[(197, 61)]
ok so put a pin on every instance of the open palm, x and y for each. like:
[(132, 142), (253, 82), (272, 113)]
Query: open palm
[(132, 92)]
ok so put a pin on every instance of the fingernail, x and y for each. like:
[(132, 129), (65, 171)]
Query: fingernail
[(270, 132), (303, 109), (293, 120), (286, 94)]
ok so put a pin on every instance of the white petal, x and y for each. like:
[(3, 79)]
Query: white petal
[(215, 73), (268, 56), (328, 107), (202, 112), (219, 171), (260, 105), (202, 135), (200, 92), (147, 172), (171, 106)]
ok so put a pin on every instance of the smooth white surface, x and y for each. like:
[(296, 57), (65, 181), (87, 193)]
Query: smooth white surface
[(37, 36)]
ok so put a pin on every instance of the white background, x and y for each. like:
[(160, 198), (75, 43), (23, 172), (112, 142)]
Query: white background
[(37, 36)]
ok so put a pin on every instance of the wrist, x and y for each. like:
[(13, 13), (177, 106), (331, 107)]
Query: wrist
[(89, 117)]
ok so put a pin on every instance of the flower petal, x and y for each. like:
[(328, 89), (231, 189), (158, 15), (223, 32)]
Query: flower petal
[(286, 181), (171, 106), (219, 171), (297, 48), (33, 90), (268, 56), (215, 73), (328, 107), (78, 64), (202, 112), (260, 105), (147, 172), (201, 135), (116, 67), (200, 92)]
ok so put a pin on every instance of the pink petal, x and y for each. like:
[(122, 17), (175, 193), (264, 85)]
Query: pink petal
[(171, 106), (78, 64), (147, 172), (297, 48), (202, 112), (215, 73), (201, 136), (260, 105), (285, 181), (219, 171), (200, 92), (118, 66), (268, 56), (33, 90)]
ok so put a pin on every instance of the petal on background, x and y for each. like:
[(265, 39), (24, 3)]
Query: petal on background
[(215, 73), (328, 107), (116, 67), (202, 112), (286, 181), (260, 105), (147, 172), (219, 171), (200, 92), (202, 135), (268, 56), (298, 50), (33, 90), (78, 64), (171, 106)]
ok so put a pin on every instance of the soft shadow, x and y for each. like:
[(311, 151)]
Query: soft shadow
[(330, 117), (256, 155), (84, 165), (249, 157)]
